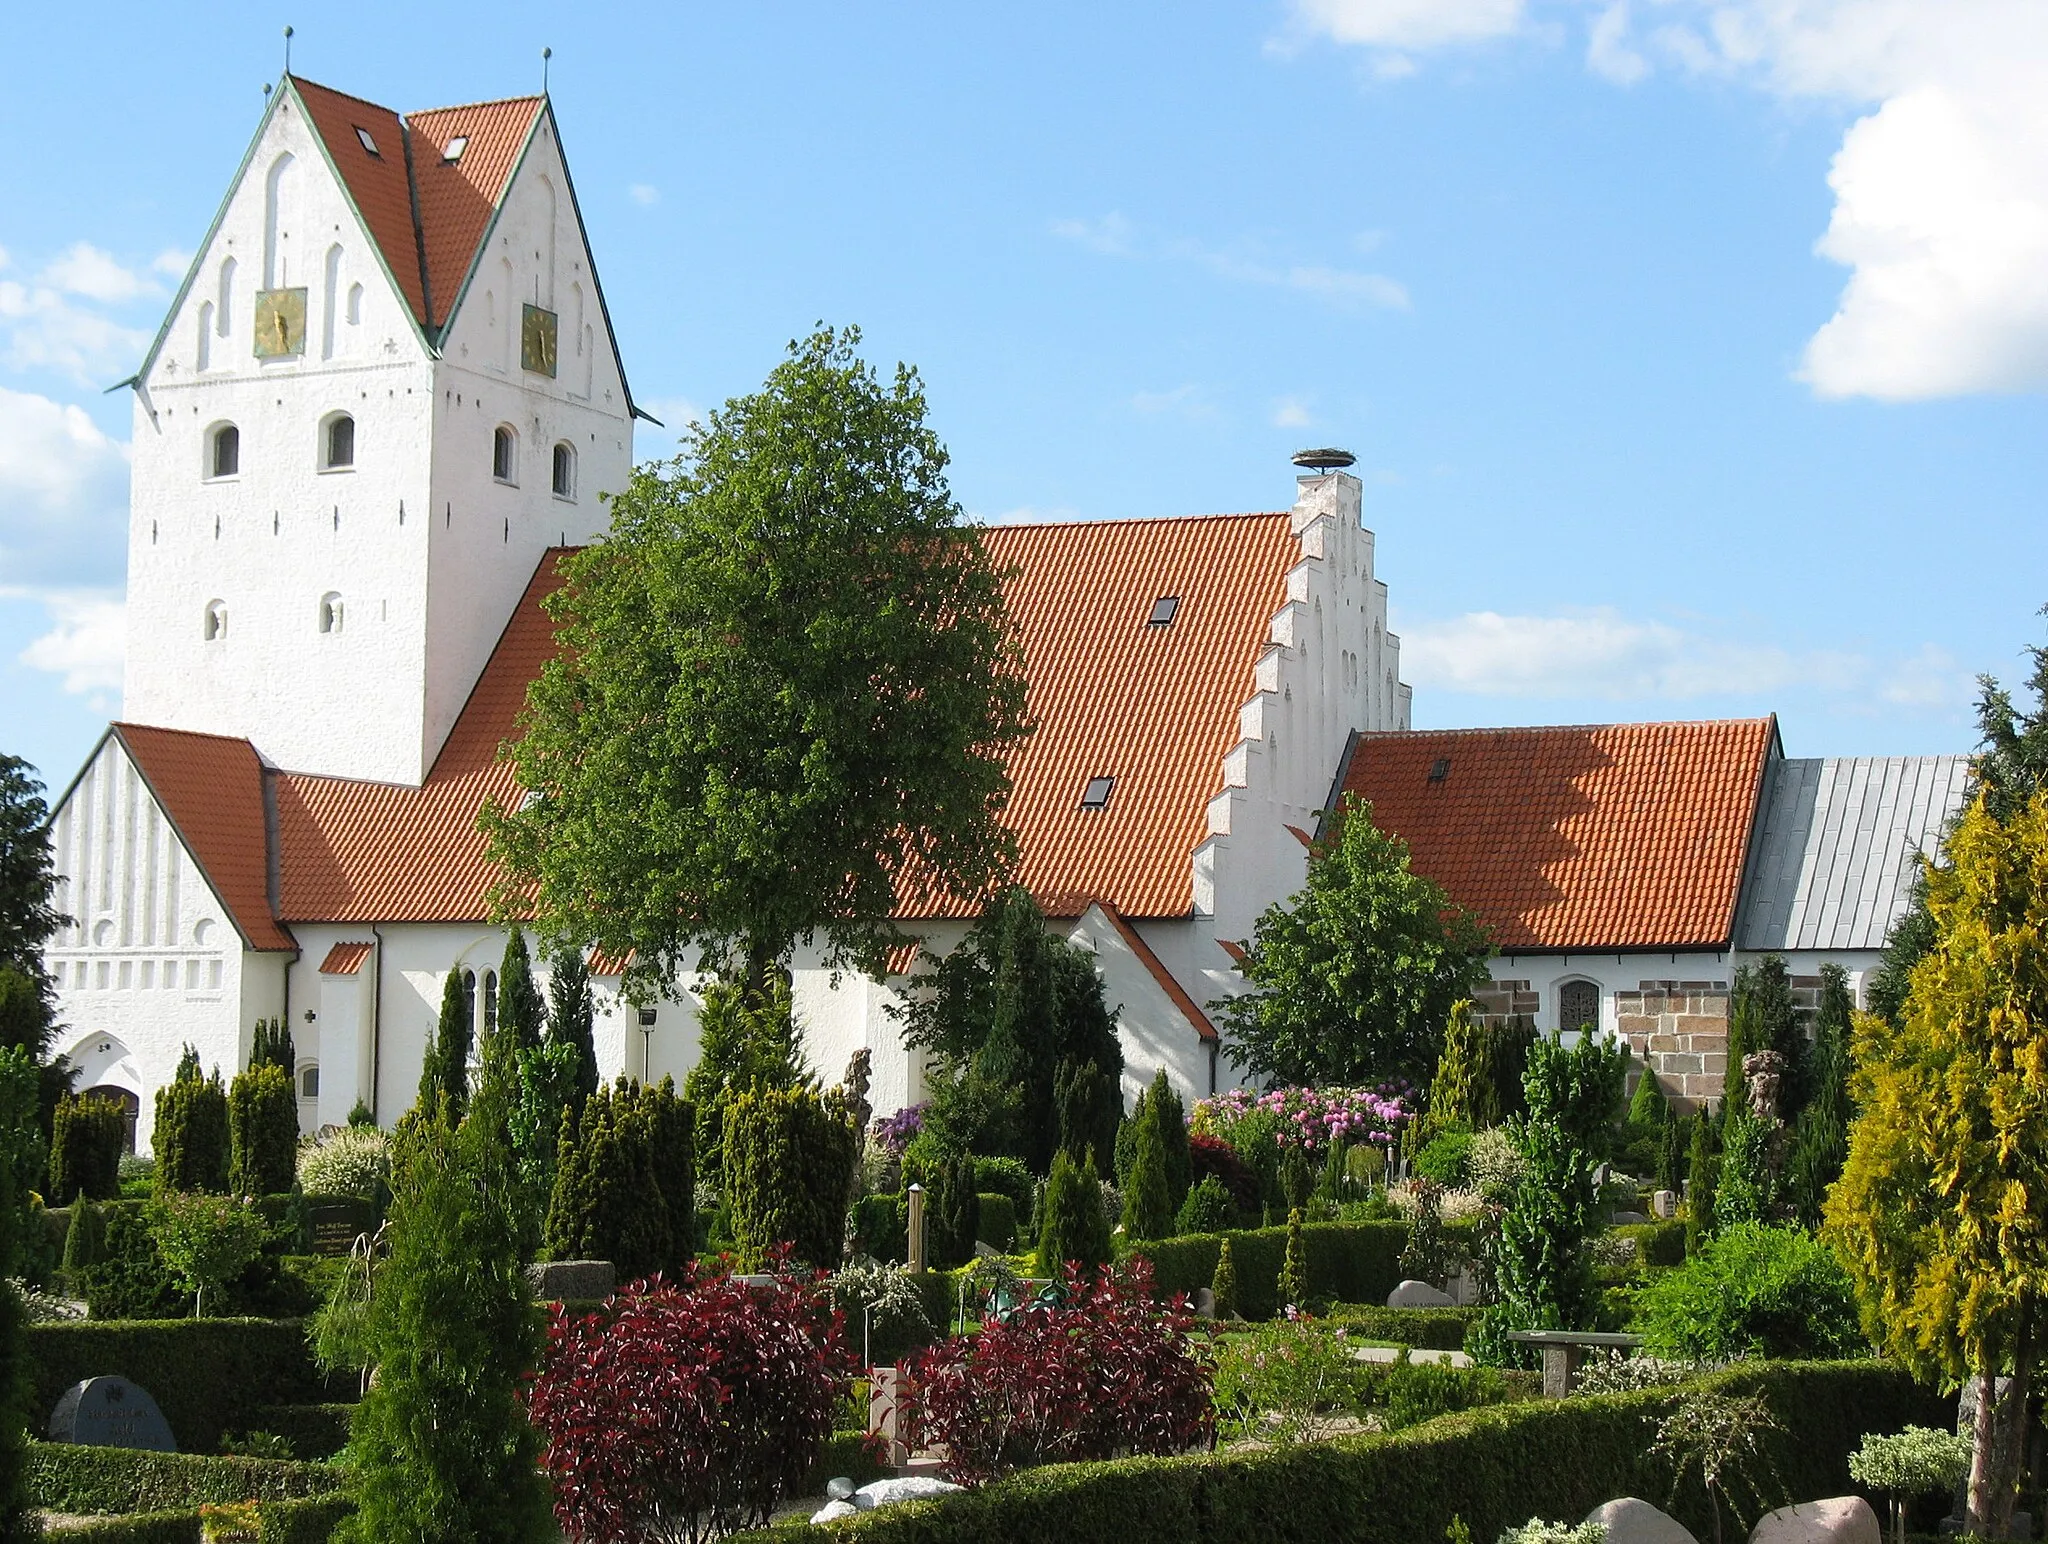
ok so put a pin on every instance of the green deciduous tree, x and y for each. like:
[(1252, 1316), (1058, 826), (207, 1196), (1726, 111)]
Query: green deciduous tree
[(191, 1134), (263, 1131), (1071, 1226), (787, 1154), (444, 1070), (28, 875), (1938, 1210), (440, 1444), (787, 684), (1356, 975), (206, 1240)]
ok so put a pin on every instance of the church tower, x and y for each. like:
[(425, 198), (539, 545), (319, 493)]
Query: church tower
[(386, 387)]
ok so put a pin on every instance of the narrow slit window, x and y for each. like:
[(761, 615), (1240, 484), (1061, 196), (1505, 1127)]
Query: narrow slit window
[(490, 1002), (1163, 610), (309, 1082), (216, 624), (1096, 795), (331, 613)]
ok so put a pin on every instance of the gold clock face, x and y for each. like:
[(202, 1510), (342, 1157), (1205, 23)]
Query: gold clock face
[(280, 323), (537, 340)]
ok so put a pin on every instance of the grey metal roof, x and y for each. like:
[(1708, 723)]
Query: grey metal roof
[(1835, 852)]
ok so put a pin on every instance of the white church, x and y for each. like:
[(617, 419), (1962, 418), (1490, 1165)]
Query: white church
[(388, 394)]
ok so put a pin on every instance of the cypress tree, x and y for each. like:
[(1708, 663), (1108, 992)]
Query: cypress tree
[(1647, 1108), (787, 1154), (440, 1445), (1779, 1027), (263, 1131), (1297, 1181), (1820, 1137), (1294, 1264), (1089, 1109), (1148, 1203), (1454, 1093), (191, 1138), (607, 1203), (572, 1016), (85, 1240), (1672, 1144), (1223, 1285), (955, 1211), (1744, 1036), (1703, 1167), (521, 1013), (1170, 1116), (672, 1159), (271, 1046), (1497, 1093), (86, 1138), (445, 1071), (1071, 1224)]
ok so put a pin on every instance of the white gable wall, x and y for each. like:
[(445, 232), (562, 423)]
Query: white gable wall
[(269, 542)]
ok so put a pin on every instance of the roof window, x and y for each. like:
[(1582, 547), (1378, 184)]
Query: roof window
[(1096, 795), (1440, 769), (455, 148), (369, 144), (1163, 610)]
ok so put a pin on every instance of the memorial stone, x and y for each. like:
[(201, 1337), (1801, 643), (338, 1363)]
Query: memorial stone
[(111, 1412)]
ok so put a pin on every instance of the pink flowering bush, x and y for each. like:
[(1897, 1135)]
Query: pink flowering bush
[(1307, 1118), (1108, 1371)]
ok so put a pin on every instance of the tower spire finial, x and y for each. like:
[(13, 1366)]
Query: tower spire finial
[(287, 50), (545, 55)]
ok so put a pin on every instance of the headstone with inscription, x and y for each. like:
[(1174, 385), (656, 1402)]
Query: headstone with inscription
[(111, 1412)]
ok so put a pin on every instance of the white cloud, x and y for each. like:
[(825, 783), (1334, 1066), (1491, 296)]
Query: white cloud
[(645, 194), (1292, 413), (46, 329), (1941, 189), (85, 270), (1346, 289), (171, 263), (1603, 654), (63, 492), (86, 641)]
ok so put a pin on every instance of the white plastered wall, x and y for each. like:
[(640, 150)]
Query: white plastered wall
[(1151, 1027), (270, 541), (152, 962)]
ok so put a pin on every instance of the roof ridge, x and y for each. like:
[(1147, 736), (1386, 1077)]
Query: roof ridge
[(1479, 729), (458, 107), (195, 734), (350, 96), (1101, 520)]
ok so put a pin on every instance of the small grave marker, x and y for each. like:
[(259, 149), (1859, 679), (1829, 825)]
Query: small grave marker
[(111, 1412)]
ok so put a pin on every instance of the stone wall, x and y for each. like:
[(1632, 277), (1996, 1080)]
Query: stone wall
[(1498, 1001), (1680, 1029)]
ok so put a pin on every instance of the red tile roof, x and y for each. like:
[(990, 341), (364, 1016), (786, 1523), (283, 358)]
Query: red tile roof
[(1597, 837), (345, 959), (428, 217), (601, 966), (210, 788)]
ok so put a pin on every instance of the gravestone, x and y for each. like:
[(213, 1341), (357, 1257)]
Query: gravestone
[(573, 1281), (1419, 1294), (111, 1412)]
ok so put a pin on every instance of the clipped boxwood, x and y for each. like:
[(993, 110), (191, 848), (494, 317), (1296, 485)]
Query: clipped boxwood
[(1493, 1468), (314, 1431), (278, 1522), (1350, 1262), (1428, 1329), (67, 1478), (998, 1221), (184, 1527), (205, 1374)]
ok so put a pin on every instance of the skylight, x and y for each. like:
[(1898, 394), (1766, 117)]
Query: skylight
[(455, 148), (1440, 769), (369, 144), (1163, 610), (1096, 795)]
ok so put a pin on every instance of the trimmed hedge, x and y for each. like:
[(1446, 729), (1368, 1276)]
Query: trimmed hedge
[(206, 1375), (1659, 1243), (1493, 1467), (998, 1225), (314, 1431), (67, 1478), (1427, 1329), (278, 1522), (1349, 1262)]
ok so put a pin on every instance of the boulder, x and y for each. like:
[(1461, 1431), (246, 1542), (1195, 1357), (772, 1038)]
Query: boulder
[(907, 1487), (840, 1489), (1838, 1520), (832, 1511), (1419, 1294), (1632, 1521), (1629, 1219), (573, 1281)]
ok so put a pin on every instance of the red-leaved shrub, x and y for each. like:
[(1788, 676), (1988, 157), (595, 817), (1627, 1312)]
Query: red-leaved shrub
[(1108, 1372), (683, 1411), (1212, 1155)]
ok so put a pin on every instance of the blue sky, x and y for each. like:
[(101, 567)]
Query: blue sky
[(1693, 353)]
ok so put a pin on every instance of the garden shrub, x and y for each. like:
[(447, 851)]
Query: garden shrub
[(131, 1280), (788, 1156), (1414, 1392), (1148, 1194), (881, 1227), (1657, 1243), (1493, 1467), (205, 1374), (952, 1214), (178, 1527), (1443, 1157), (1754, 1291), (1747, 1190), (67, 1478), (997, 1227), (607, 1203), (1208, 1208), (1210, 1156), (1007, 1177), (1109, 1370), (309, 1521), (19, 1150), (1352, 1262), (1071, 1226), (702, 1402), (313, 1431), (1292, 1380), (352, 1161), (263, 1131), (1919, 1461), (190, 1138), (86, 1138), (206, 1240), (886, 1313), (1223, 1298), (1426, 1329)]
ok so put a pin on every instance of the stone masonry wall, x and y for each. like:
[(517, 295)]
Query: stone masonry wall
[(1498, 1001), (1679, 1029)]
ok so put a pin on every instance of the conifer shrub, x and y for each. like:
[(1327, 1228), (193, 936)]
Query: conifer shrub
[(952, 1213), (688, 1410), (787, 1154), (998, 1225), (85, 1238), (1672, 1142), (1454, 1093), (1171, 1117), (1747, 1187), (1294, 1265), (263, 1131), (1148, 1196), (1820, 1136), (191, 1137), (1109, 1371), (522, 1014), (441, 1444), (1009, 1177), (1087, 1107), (572, 1017), (1071, 1226), (1208, 1208), (271, 1046), (607, 1203), (745, 1042), (86, 1138), (1223, 1285), (18, 1135), (130, 1280), (671, 1126), (444, 1070), (1503, 1061), (1702, 1171)]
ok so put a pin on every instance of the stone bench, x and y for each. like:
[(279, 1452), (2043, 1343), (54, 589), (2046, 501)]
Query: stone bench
[(1564, 1350)]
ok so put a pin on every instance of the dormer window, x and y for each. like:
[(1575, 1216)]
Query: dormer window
[(1163, 610), (455, 148), (1096, 795), (337, 443), (369, 144), (505, 455), (224, 452)]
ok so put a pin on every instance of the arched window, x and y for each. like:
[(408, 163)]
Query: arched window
[(309, 1080), (215, 627), (224, 451), (489, 1016), (355, 305), (505, 454), (565, 470), (1578, 1005), (330, 613), (337, 443)]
